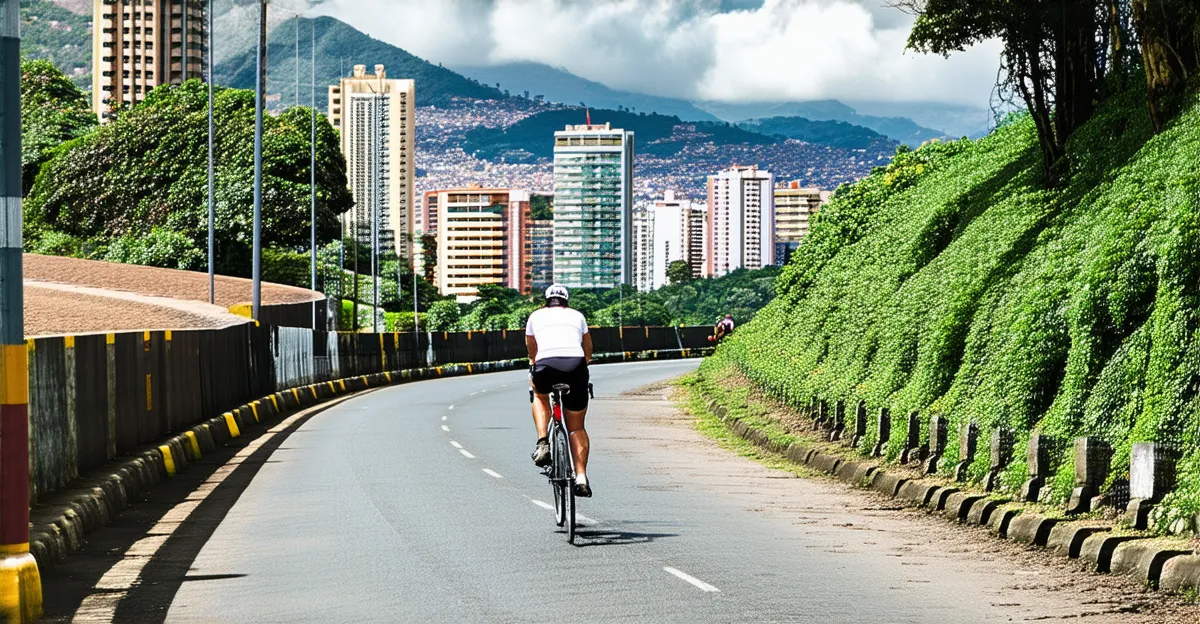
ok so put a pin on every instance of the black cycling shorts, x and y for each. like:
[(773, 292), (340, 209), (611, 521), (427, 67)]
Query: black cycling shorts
[(572, 371)]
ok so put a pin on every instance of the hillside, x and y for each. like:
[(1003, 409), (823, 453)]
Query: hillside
[(559, 85), (658, 135), (339, 47), (834, 133), (901, 129), (952, 281), (58, 35)]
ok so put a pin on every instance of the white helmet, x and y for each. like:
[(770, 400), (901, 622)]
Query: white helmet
[(557, 291)]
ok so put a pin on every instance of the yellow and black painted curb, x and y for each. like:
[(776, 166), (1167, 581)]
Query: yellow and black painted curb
[(1169, 564)]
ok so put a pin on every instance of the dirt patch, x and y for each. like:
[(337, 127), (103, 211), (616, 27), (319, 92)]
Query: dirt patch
[(1026, 583)]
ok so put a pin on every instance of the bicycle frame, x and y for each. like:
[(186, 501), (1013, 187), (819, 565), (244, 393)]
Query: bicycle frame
[(557, 422)]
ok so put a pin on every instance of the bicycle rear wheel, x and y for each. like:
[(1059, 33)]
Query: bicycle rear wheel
[(570, 509), (560, 503)]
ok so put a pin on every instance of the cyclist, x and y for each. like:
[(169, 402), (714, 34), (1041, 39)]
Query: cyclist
[(560, 349)]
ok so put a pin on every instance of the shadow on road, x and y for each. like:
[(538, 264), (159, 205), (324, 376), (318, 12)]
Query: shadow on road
[(147, 602), (613, 537)]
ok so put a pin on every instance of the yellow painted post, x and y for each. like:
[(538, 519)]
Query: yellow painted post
[(193, 443), (168, 460), (231, 423)]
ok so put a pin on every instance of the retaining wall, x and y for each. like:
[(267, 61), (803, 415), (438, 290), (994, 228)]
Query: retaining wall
[(98, 397)]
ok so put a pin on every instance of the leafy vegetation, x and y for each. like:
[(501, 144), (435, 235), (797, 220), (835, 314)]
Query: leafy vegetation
[(954, 281), (700, 302), (833, 133), (659, 135), (53, 111), (136, 189)]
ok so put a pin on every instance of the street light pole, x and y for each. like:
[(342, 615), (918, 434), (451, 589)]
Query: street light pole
[(212, 291), (376, 166), (20, 583), (312, 192), (258, 160)]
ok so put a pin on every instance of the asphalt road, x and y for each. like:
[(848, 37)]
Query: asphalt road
[(418, 503)]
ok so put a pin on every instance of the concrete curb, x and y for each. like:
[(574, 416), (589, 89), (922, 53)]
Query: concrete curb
[(62, 519), (1159, 565)]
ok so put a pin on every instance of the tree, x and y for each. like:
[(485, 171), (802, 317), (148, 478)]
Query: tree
[(1169, 34), (1051, 59), (679, 272), (429, 257), (443, 316), (146, 171), (53, 111)]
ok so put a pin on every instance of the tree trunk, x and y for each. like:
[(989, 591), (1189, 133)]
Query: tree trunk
[(1170, 40)]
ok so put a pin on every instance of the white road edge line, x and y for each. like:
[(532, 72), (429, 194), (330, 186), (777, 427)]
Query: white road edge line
[(691, 579), (466, 454), (492, 473), (455, 445), (445, 428), (541, 504)]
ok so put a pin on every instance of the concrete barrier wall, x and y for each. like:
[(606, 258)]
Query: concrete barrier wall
[(95, 398)]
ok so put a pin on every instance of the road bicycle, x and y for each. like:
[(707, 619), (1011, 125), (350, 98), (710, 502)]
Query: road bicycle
[(561, 471)]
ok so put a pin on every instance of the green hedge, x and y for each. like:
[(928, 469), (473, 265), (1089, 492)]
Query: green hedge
[(953, 281)]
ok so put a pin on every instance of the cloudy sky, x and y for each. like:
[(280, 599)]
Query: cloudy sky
[(730, 50)]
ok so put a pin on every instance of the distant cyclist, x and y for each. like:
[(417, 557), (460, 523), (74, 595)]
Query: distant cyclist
[(560, 349), (723, 328)]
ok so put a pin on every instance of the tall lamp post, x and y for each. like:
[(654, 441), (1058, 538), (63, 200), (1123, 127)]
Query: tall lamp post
[(312, 167), (256, 271), (212, 291), (20, 582)]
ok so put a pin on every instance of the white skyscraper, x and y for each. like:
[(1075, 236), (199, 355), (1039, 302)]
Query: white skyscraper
[(741, 220), (375, 117), (593, 202)]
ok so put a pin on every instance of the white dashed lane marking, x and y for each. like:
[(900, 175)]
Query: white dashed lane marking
[(466, 454), (691, 579), (455, 445), (542, 504), (445, 428), (492, 473)]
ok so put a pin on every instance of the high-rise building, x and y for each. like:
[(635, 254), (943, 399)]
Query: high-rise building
[(138, 45), (374, 115), (794, 207), (741, 220), (593, 201), (482, 238), (668, 230)]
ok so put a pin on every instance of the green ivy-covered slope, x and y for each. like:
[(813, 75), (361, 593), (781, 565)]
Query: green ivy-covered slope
[(952, 281)]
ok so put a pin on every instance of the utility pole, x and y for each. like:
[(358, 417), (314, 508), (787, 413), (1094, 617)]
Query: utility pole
[(20, 582), (312, 155), (260, 85), (376, 167), (212, 212)]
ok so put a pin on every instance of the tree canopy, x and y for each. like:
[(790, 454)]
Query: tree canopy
[(136, 189), (53, 111)]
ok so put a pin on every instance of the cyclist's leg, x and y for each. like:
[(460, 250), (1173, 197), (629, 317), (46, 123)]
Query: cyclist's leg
[(541, 414), (580, 444)]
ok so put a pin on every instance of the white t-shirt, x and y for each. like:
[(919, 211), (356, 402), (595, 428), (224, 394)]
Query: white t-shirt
[(558, 331)]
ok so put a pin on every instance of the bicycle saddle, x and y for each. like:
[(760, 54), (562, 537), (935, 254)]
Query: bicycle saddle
[(563, 388)]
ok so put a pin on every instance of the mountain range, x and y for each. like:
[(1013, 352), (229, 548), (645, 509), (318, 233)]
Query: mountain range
[(340, 46)]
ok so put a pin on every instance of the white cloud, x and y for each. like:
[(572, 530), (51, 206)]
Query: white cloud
[(697, 49)]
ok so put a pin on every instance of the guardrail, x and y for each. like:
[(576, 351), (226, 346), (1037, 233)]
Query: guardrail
[(97, 397)]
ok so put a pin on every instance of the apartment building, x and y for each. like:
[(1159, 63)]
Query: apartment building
[(741, 220), (138, 45), (668, 230), (795, 206), (374, 115), (593, 202)]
